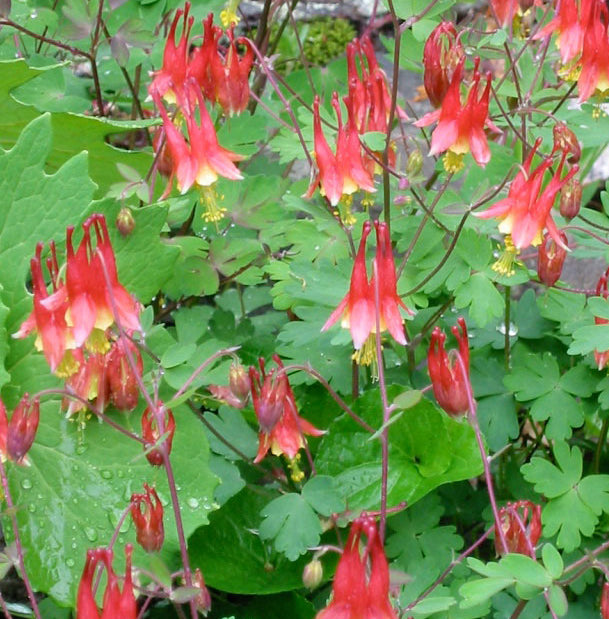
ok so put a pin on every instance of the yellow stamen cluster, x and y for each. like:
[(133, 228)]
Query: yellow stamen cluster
[(366, 355), (505, 262), (213, 211), (296, 474), (344, 210), (453, 162), (228, 16), (68, 365), (97, 342)]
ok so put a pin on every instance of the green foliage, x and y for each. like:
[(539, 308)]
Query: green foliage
[(326, 39), (575, 503)]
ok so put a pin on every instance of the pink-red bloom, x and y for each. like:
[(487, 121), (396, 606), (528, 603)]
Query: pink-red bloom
[(342, 173), (594, 61), (17, 434), (282, 429), (361, 583), (122, 385), (169, 81), (158, 429), (449, 372), (147, 514), (602, 357), (461, 125), (200, 160), (357, 309), (521, 524), (117, 604), (527, 210), (442, 55), (605, 601)]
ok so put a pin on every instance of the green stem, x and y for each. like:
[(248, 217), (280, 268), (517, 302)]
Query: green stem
[(506, 336), (602, 438)]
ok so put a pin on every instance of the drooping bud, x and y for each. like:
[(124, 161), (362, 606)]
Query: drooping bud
[(268, 397), (448, 379), (414, 165), (571, 198), (22, 428), (122, 381), (239, 381), (521, 524), (550, 259), (203, 599), (605, 601), (152, 433), (125, 221), (312, 574), (86, 608), (442, 54), (147, 514), (566, 140)]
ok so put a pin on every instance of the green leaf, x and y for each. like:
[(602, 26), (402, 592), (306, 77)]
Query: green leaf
[(552, 560), (426, 448), (550, 480), (526, 570), (558, 600), (590, 338), (479, 294), (79, 484), (323, 495), (292, 523), (481, 589), (533, 377), (232, 555)]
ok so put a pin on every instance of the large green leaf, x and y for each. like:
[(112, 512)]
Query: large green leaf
[(76, 132), (234, 558), (427, 448), (80, 482)]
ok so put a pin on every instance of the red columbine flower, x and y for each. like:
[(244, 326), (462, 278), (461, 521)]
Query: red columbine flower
[(594, 61), (521, 524), (170, 80), (123, 388), (147, 514), (343, 173), (48, 317), (18, 434), (116, 604), (88, 381), (570, 24), (442, 55), (356, 310), (447, 379), (154, 426), (355, 594), (550, 259), (200, 160), (504, 11), (602, 358), (526, 211), (390, 302), (461, 126), (282, 429)]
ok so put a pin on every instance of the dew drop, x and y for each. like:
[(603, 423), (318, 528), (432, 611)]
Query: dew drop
[(34, 14), (73, 545), (31, 508), (70, 562), (513, 330), (121, 473), (81, 449), (106, 474), (192, 503), (91, 534), (26, 484)]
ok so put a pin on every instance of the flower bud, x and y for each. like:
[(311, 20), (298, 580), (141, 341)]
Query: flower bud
[(239, 381), (442, 54), (121, 379), (566, 140), (447, 377), (151, 433), (268, 397), (312, 574), (550, 259), (203, 599), (147, 514), (605, 601), (125, 221), (571, 198), (521, 524), (22, 428)]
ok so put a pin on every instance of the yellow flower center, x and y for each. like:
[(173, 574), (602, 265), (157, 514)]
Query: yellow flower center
[(366, 355), (68, 366), (453, 162), (209, 199), (344, 210), (228, 16), (505, 262)]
